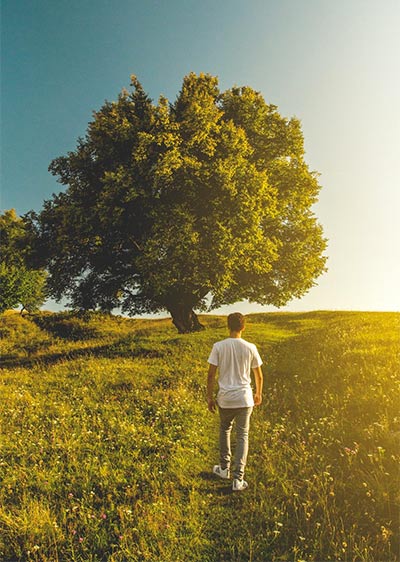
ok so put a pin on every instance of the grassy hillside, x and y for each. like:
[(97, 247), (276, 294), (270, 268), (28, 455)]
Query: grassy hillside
[(107, 445)]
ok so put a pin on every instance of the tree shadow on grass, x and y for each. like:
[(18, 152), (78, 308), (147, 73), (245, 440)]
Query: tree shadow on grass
[(123, 348), (217, 486), (65, 325)]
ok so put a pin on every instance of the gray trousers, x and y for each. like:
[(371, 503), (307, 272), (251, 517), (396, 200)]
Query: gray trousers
[(242, 417)]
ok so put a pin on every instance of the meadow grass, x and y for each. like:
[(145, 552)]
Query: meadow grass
[(107, 444)]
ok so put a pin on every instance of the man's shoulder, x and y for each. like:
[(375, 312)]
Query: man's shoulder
[(249, 344), (227, 342), (221, 343)]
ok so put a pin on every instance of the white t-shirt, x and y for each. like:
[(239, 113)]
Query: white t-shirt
[(235, 357)]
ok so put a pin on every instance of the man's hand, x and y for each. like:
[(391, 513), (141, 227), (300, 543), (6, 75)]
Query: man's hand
[(211, 404), (257, 399)]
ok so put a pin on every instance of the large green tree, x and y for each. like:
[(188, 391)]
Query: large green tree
[(20, 285), (183, 206)]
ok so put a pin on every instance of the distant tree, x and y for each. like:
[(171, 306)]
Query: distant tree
[(19, 285), (183, 206)]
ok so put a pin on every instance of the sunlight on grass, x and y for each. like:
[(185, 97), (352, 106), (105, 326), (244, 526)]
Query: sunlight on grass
[(107, 446)]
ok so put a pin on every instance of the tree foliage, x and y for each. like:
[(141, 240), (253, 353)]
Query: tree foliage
[(19, 284), (183, 206)]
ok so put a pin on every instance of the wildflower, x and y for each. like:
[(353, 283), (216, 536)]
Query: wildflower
[(385, 533), (80, 539), (103, 516)]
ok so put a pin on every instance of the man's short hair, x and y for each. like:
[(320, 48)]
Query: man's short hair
[(236, 322)]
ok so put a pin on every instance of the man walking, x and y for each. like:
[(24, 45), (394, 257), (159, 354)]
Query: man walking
[(234, 358)]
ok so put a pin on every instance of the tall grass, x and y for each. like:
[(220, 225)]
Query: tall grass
[(107, 444)]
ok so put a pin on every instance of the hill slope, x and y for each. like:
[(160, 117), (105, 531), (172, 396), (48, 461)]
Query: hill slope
[(107, 444)]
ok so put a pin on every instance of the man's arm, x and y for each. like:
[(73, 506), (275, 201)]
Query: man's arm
[(259, 385), (212, 370)]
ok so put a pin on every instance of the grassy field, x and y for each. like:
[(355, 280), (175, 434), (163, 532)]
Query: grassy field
[(107, 444)]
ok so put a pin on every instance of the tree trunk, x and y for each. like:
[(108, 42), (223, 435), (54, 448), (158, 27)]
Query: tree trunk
[(185, 319)]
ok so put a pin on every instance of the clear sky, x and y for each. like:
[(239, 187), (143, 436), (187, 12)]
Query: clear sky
[(332, 64)]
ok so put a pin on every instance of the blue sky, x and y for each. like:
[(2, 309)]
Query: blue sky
[(331, 64)]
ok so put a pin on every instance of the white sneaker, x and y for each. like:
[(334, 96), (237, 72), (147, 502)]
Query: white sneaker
[(239, 485), (221, 472)]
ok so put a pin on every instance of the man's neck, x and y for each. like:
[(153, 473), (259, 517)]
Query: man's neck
[(235, 335)]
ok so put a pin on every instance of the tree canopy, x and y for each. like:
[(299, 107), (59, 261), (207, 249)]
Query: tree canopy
[(19, 285), (183, 206)]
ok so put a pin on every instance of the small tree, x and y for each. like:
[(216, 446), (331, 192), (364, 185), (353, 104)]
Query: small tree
[(183, 206), (19, 285)]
